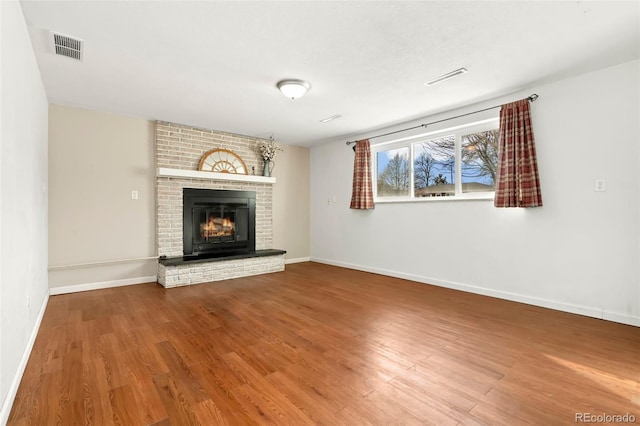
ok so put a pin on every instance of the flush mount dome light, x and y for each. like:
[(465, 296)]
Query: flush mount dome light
[(293, 89)]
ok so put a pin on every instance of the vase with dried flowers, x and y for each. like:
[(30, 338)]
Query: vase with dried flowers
[(268, 149)]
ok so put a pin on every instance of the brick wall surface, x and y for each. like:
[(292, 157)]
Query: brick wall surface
[(182, 147), (169, 211)]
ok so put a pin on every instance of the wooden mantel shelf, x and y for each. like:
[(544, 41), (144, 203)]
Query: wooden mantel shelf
[(197, 174)]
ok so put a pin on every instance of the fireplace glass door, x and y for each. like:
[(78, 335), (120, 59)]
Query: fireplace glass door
[(218, 221), (220, 224)]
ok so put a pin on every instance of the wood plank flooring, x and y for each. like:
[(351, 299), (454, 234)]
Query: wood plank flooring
[(320, 345)]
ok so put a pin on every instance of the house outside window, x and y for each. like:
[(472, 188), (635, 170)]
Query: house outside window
[(452, 164)]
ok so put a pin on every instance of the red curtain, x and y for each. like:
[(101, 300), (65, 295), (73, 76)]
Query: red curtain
[(362, 194), (517, 182)]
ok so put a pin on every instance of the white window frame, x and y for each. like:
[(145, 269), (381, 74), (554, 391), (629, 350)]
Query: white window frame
[(458, 131)]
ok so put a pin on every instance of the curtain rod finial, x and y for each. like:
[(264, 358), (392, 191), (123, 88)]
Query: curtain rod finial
[(533, 97)]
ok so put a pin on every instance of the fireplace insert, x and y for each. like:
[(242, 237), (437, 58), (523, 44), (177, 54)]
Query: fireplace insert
[(218, 222)]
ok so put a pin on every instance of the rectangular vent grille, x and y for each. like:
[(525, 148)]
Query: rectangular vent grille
[(67, 46)]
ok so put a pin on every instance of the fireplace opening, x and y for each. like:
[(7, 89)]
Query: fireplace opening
[(218, 222), (216, 225)]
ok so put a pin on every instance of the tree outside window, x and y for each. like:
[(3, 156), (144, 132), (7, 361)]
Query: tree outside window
[(393, 173), (479, 161), (434, 167)]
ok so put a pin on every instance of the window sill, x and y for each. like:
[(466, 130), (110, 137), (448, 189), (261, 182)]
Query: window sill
[(392, 200)]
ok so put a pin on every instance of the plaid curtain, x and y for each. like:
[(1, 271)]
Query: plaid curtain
[(362, 194), (517, 183)]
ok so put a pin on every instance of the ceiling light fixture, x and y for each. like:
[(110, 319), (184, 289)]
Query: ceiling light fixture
[(333, 117), (446, 76), (294, 89)]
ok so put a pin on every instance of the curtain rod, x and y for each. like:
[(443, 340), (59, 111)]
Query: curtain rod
[(530, 98)]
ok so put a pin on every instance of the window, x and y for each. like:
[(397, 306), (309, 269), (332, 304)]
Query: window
[(479, 161), (458, 163), (434, 167), (393, 172)]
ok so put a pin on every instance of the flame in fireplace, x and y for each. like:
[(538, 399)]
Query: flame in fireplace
[(217, 227)]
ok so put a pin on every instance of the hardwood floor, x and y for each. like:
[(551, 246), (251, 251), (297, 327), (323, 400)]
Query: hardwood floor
[(320, 345)]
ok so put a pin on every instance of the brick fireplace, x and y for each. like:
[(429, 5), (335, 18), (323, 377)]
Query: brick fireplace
[(179, 149)]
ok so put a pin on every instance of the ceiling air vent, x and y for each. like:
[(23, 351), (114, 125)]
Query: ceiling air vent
[(67, 46)]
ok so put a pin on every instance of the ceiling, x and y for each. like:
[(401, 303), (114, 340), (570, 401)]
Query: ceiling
[(216, 64)]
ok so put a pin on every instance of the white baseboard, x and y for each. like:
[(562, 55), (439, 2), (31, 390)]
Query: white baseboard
[(623, 319), (588, 311), (17, 378), (100, 285), (297, 260)]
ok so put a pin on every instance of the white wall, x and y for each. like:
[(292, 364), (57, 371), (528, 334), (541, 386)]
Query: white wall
[(23, 205), (578, 253), (95, 161), (291, 203)]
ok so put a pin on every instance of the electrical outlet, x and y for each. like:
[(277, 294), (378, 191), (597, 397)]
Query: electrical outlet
[(600, 185), (134, 195)]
